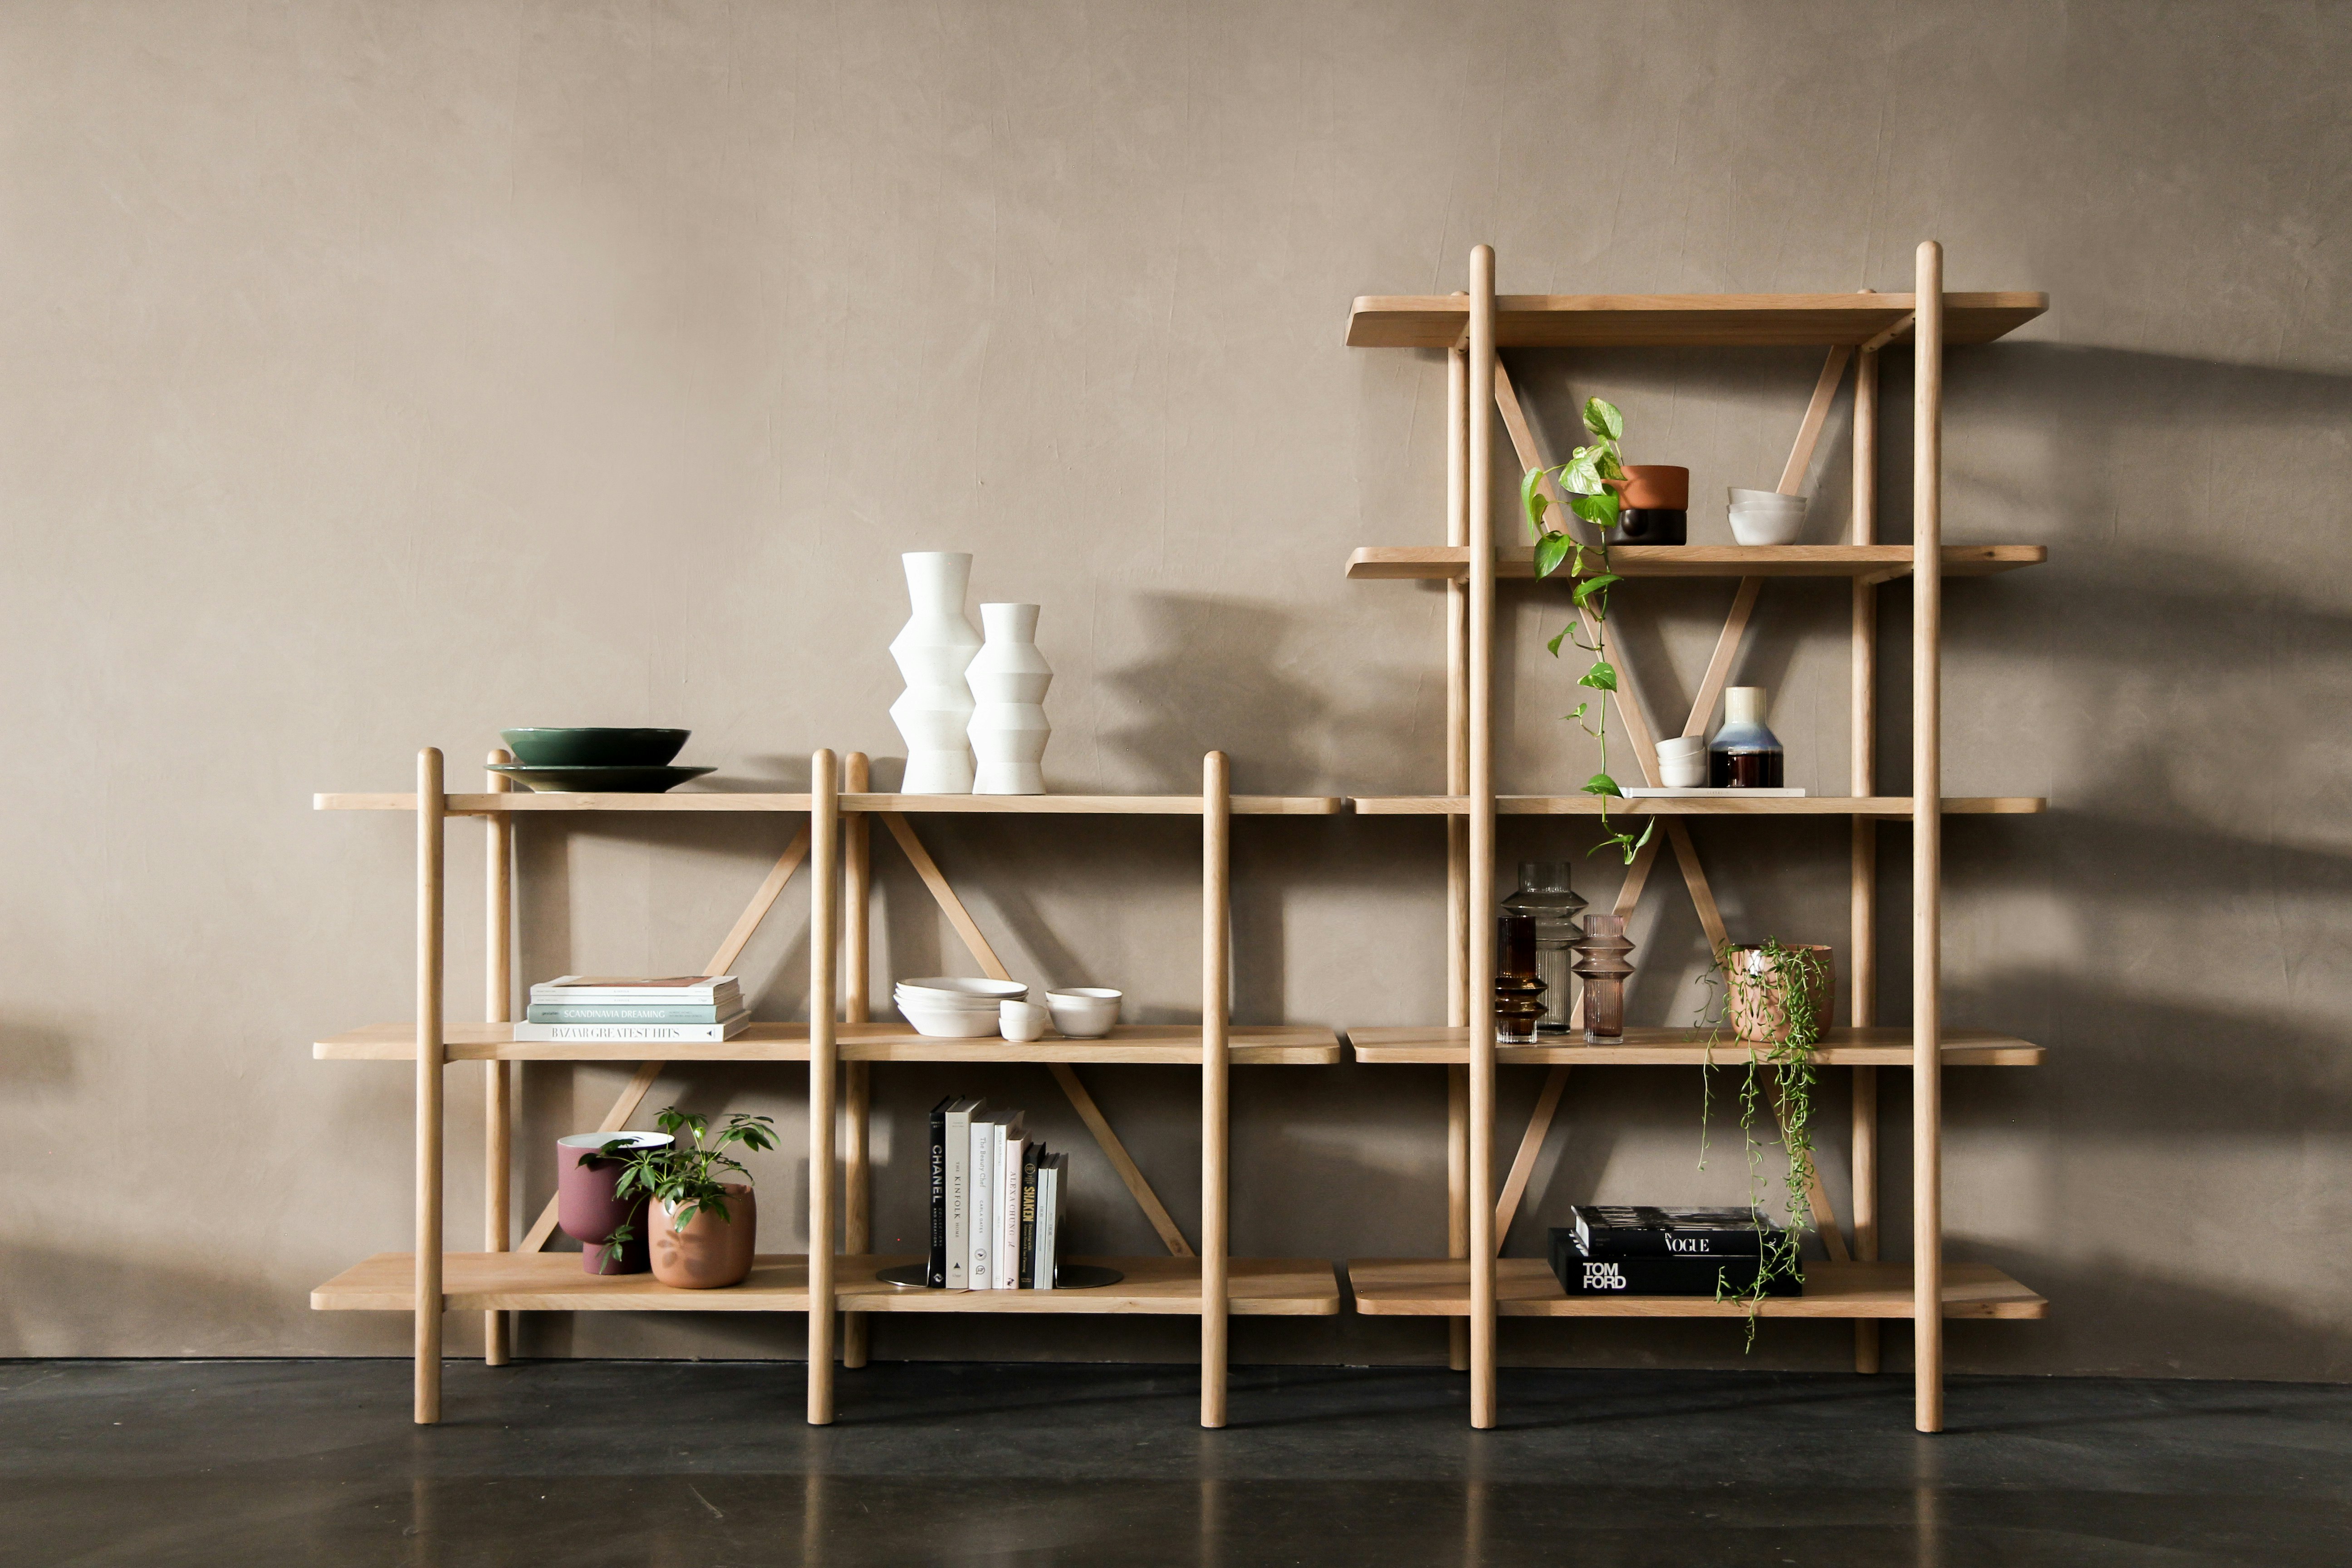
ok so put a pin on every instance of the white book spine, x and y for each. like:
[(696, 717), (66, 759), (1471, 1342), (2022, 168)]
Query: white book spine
[(647, 1034), (959, 1185), (984, 1167), (1049, 1192), (1008, 1227)]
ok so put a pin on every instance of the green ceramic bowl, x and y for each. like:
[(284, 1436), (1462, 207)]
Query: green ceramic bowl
[(594, 748)]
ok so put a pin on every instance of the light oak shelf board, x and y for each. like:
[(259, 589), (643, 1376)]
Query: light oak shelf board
[(1898, 805), (1864, 563), (1668, 321), (554, 1282), (1526, 1288), (1169, 1045), (712, 800), (1881, 1046)]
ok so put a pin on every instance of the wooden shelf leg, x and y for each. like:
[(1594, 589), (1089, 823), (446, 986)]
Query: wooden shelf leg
[(497, 1097), (824, 1070), (430, 809), (1457, 835), (1216, 949), (857, 1087), (1863, 1011), (1926, 843), (1481, 795)]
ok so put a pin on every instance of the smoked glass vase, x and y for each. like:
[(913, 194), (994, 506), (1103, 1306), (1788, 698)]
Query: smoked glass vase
[(1545, 897)]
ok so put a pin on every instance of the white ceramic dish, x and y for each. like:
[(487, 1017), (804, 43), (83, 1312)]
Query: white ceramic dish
[(1085, 1012), (948, 1023), (1768, 526), (982, 1001), (1682, 745), (962, 985), (1687, 771), (1768, 498), (1021, 1020)]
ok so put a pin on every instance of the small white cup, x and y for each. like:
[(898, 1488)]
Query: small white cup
[(1021, 1020), (1685, 771)]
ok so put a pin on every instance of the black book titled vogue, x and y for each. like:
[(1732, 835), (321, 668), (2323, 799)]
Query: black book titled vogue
[(1622, 1230), (935, 1271), (1581, 1274)]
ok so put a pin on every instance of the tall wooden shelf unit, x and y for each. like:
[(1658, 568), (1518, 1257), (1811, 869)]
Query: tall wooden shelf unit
[(1473, 1286), (837, 1275)]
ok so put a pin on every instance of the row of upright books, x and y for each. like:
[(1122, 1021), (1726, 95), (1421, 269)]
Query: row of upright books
[(688, 1009), (1614, 1250), (996, 1200)]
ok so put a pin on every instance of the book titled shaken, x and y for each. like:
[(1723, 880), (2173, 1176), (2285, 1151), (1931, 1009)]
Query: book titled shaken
[(1623, 1230), (1581, 1274)]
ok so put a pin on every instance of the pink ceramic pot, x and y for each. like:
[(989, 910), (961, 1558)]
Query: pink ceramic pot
[(588, 1207), (709, 1253)]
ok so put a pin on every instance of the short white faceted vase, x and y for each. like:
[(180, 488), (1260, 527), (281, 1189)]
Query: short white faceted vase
[(1008, 683), (933, 649)]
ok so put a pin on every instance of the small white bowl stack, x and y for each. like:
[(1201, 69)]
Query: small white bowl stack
[(1767, 517), (953, 1007)]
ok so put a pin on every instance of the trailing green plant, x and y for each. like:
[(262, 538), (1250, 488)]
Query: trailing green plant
[(1781, 983), (683, 1180), (1585, 480)]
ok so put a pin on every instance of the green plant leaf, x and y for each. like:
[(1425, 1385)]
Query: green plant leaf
[(1601, 677), (1550, 550), (1602, 784), (1601, 418), (1582, 477), (1554, 644), (1600, 509), (1532, 500), (1591, 585)]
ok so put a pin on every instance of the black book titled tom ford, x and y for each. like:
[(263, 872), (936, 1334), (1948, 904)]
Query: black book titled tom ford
[(1581, 1274), (1620, 1230)]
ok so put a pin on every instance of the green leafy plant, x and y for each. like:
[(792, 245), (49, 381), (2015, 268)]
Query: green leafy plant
[(683, 1180), (1585, 480), (1775, 985)]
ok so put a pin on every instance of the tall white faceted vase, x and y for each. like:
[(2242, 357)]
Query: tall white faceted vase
[(1008, 726), (933, 649)]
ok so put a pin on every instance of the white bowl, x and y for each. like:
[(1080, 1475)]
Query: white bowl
[(948, 1023), (1768, 498), (957, 991), (1681, 746), (1085, 1012), (1021, 1020), (1752, 525), (1688, 772)]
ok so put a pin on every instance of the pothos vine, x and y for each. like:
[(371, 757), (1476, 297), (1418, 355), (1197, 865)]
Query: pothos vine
[(1586, 478), (1780, 985)]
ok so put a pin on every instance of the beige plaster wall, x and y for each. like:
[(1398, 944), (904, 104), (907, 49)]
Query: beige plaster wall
[(373, 376)]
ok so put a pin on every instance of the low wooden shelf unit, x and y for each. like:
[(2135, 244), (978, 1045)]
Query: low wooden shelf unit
[(1864, 563), (1174, 1045), (1875, 1046), (1527, 1288)]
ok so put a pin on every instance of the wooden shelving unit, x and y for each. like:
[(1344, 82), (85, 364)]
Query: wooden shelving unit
[(1473, 1285), (835, 1283)]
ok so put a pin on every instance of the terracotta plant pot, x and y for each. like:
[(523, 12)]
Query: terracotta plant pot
[(588, 1207), (709, 1253), (1759, 995), (1653, 487)]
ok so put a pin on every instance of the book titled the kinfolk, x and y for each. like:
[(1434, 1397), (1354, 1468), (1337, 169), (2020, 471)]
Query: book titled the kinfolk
[(1620, 1230), (1581, 1274), (955, 1125)]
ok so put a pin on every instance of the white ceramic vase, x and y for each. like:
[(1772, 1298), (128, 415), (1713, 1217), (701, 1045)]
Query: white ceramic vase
[(1008, 681), (933, 649)]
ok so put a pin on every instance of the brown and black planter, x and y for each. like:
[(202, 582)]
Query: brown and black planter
[(1653, 505)]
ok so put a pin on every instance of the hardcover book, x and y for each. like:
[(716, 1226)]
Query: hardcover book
[(985, 1140), (935, 1266), (957, 1119), (635, 1034), (1617, 1230), (1581, 1274), (1053, 1171), (1031, 1156), (1011, 1155), (701, 989), (623, 1013)]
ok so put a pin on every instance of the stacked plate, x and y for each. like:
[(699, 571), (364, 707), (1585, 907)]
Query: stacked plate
[(951, 1007)]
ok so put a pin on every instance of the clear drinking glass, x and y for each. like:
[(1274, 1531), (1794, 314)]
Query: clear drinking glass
[(1544, 893)]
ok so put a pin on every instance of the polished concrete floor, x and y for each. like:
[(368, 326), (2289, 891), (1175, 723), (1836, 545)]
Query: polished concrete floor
[(708, 1465)]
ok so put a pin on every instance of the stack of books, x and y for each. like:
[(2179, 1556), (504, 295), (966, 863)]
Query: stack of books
[(1620, 1250), (685, 1009), (996, 1200)]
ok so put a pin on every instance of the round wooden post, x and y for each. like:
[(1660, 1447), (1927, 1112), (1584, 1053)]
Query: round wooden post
[(497, 1084), (1216, 859), (825, 1066), (857, 1077), (1481, 881), (1458, 833), (1864, 1010), (1926, 843), (430, 809)]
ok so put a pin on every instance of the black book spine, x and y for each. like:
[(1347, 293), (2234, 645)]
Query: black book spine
[(1680, 1241), (935, 1272), (1027, 1278), (1580, 1275)]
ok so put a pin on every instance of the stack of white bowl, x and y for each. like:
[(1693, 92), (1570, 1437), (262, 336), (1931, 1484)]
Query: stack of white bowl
[(953, 1007), (1767, 517)]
